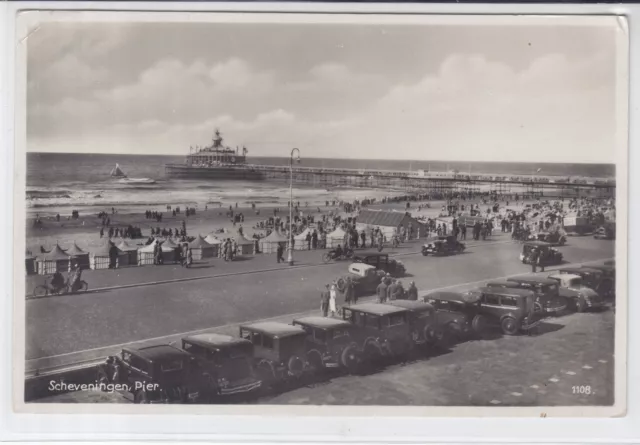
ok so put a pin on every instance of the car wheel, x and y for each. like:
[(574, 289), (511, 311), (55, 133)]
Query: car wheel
[(373, 352), (295, 366), (350, 357), (326, 257), (315, 360), (478, 324), (509, 326)]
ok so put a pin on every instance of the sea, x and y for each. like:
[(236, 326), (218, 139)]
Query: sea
[(62, 182)]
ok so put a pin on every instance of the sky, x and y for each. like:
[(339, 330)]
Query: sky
[(370, 91)]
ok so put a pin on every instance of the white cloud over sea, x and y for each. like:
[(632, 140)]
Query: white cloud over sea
[(535, 93)]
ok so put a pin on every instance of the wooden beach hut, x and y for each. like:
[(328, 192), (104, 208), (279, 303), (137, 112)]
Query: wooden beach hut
[(30, 263), (56, 260), (300, 240), (245, 246), (336, 237), (201, 249), (130, 251), (145, 254), (100, 258), (269, 244), (79, 256)]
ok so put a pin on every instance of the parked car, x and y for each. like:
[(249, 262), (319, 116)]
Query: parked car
[(381, 261), (458, 313), (580, 296), (365, 278), (153, 374), (426, 328), (611, 263), (608, 272), (329, 343), (226, 363), (381, 330), (548, 297), (443, 245), (605, 231), (279, 351), (513, 310), (593, 279), (549, 255), (554, 238)]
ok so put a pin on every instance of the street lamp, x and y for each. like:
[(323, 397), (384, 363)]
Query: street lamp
[(290, 249)]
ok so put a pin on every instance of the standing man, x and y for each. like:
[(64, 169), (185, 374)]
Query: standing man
[(412, 292), (324, 301), (381, 291), (279, 253), (348, 292), (535, 255)]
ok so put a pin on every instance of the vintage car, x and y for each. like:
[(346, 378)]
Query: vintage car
[(279, 351), (594, 279), (580, 296), (153, 374), (365, 278), (443, 245), (605, 231), (611, 263), (426, 328), (511, 309), (547, 292), (329, 343), (381, 261), (381, 330), (549, 255), (608, 272), (226, 363), (554, 238), (458, 314)]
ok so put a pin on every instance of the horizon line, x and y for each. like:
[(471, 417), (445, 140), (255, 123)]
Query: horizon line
[(353, 159)]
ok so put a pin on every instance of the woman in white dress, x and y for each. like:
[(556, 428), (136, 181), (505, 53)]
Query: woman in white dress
[(332, 299)]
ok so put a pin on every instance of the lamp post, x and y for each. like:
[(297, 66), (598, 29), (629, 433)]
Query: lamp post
[(290, 249)]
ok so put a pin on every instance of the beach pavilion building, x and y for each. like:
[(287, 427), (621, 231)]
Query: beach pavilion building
[(389, 222), (201, 249), (269, 244), (56, 260), (100, 258), (79, 256)]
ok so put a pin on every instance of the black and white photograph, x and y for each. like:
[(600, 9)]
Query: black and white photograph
[(268, 211)]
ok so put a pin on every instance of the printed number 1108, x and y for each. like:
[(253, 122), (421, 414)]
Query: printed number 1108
[(581, 390)]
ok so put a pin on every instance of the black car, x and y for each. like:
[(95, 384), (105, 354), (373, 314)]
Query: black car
[(153, 374), (381, 261), (443, 245)]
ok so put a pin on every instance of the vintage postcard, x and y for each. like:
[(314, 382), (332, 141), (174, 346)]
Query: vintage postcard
[(302, 213)]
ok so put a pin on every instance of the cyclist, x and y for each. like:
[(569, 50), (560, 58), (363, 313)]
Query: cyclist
[(339, 251), (57, 281), (74, 278)]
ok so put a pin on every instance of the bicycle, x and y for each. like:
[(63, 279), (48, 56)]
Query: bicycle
[(46, 289)]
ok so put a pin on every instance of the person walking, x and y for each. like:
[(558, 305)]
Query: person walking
[(534, 260), (348, 292), (279, 253), (324, 301), (412, 292)]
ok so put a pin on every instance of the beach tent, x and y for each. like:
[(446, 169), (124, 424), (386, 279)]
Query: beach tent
[(79, 256), (336, 237), (300, 240), (201, 249), (130, 251), (100, 258), (269, 244), (245, 246), (54, 260), (216, 242), (177, 250), (389, 222), (30, 263), (145, 254)]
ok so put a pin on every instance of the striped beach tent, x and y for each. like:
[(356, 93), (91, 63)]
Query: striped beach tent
[(56, 260), (100, 258), (79, 256), (202, 249), (300, 240), (269, 243), (145, 254), (130, 251), (245, 246), (336, 237)]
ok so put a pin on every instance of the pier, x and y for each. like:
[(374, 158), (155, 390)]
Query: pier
[(406, 180)]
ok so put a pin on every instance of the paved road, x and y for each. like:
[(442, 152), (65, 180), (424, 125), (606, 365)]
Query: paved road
[(79, 322)]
